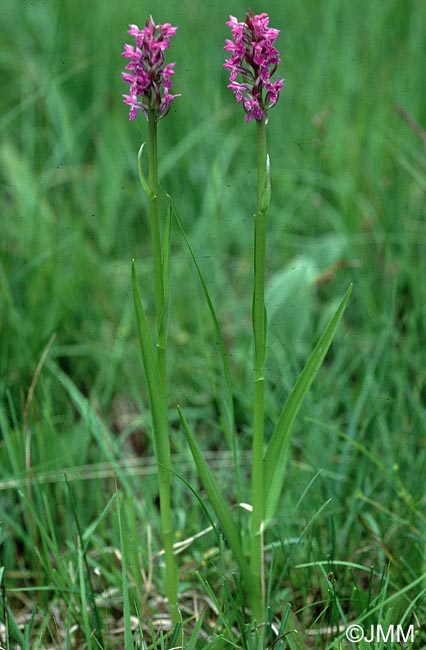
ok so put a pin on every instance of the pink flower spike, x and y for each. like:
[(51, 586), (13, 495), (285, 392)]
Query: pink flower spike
[(255, 58), (149, 79)]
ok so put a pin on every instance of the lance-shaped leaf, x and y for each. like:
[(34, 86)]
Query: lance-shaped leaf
[(276, 454), (220, 506), (146, 186), (266, 192), (230, 433), (164, 315), (154, 384), (166, 250)]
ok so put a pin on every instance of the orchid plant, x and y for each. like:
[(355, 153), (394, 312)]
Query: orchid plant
[(252, 64), (150, 83), (255, 58)]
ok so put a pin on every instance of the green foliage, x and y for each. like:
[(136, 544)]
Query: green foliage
[(277, 452)]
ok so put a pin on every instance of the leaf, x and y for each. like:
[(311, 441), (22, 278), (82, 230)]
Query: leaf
[(128, 635), (264, 349), (166, 250), (221, 507), (275, 458), (231, 433), (159, 417), (87, 536), (87, 592), (146, 186), (266, 192), (164, 316), (157, 398)]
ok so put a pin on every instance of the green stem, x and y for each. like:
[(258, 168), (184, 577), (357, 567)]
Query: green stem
[(259, 339), (160, 298), (163, 449)]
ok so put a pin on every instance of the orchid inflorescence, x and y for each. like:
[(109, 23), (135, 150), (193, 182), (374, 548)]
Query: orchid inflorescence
[(149, 79), (255, 58)]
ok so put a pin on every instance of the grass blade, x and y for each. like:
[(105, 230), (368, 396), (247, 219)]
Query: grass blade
[(11, 628), (221, 507), (86, 592), (275, 458), (83, 596), (229, 406), (128, 635)]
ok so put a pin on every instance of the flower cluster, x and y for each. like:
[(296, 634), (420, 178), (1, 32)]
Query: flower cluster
[(255, 58), (149, 79)]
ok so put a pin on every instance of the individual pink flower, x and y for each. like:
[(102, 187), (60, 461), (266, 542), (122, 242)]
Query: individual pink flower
[(255, 59), (149, 79)]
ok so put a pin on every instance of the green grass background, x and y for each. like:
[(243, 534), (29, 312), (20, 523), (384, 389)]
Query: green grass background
[(348, 205)]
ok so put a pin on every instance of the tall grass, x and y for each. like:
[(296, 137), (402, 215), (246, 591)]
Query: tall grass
[(347, 206)]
